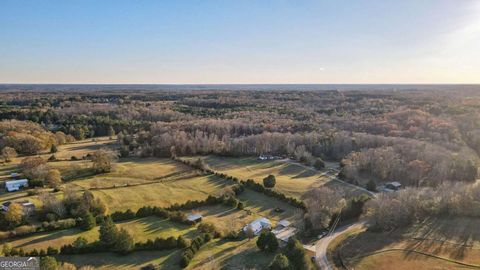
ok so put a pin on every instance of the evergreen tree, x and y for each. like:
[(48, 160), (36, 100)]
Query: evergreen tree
[(262, 241), (280, 262), (48, 263), (371, 186), (108, 232), (269, 181), (111, 131), (297, 256), (53, 149), (272, 242), (124, 243), (88, 221)]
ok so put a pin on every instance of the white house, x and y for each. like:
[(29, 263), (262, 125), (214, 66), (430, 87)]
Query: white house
[(258, 225), (15, 185)]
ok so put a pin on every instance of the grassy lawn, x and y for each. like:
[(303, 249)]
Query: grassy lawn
[(141, 230), (125, 171), (456, 239), (109, 261), (82, 148), (398, 260), (220, 254), (292, 179), (163, 194)]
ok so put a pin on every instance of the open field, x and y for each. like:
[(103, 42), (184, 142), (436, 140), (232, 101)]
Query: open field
[(162, 194), (231, 255), (110, 261), (293, 179), (125, 171), (444, 243), (79, 149), (141, 229)]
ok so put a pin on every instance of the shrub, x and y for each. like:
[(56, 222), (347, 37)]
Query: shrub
[(48, 263), (25, 229), (371, 186), (124, 243), (280, 262), (269, 181), (88, 221), (182, 242)]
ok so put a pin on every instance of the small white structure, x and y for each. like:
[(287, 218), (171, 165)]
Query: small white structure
[(283, 231), (194, 217), (15, 185), (285, 234), (393, 185), (14, 175), (5, 206), (258, 225), (284, 223), (28, 207)]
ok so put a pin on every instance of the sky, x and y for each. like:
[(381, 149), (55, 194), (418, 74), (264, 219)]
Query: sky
[(240, 41)]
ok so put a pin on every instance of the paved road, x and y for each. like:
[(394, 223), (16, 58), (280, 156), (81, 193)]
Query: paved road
[(322, 245)]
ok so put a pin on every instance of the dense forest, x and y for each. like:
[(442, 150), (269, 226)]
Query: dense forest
[(416, 137)]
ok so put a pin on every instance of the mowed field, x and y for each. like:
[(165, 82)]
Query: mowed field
[(446, 243), (141, 229), (82, 148), (293, 179), (168, 260)]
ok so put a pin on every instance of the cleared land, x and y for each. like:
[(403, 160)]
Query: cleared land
[(435, 244), (231, 255), (82, 148), (109, 261), (125, 171), (293, 179), (141, 229), (162, 194)]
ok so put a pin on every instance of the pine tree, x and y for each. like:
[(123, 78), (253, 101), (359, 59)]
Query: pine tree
[(88, 221), (108, 232), (124, 243)]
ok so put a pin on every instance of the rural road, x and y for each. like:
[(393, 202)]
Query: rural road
[(322, 245)]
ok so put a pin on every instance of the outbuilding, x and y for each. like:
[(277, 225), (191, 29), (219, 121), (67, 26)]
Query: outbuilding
[(194, 218), (393, 185), (15, 185)]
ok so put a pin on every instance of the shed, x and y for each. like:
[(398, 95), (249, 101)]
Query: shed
[(28, 208), (285, 234), (15, 185), (194, 217), (393, 185)]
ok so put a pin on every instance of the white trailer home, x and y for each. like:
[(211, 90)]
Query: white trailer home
[(15, 185)]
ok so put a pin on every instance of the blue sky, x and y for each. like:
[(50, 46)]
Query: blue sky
[(226, 41)]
